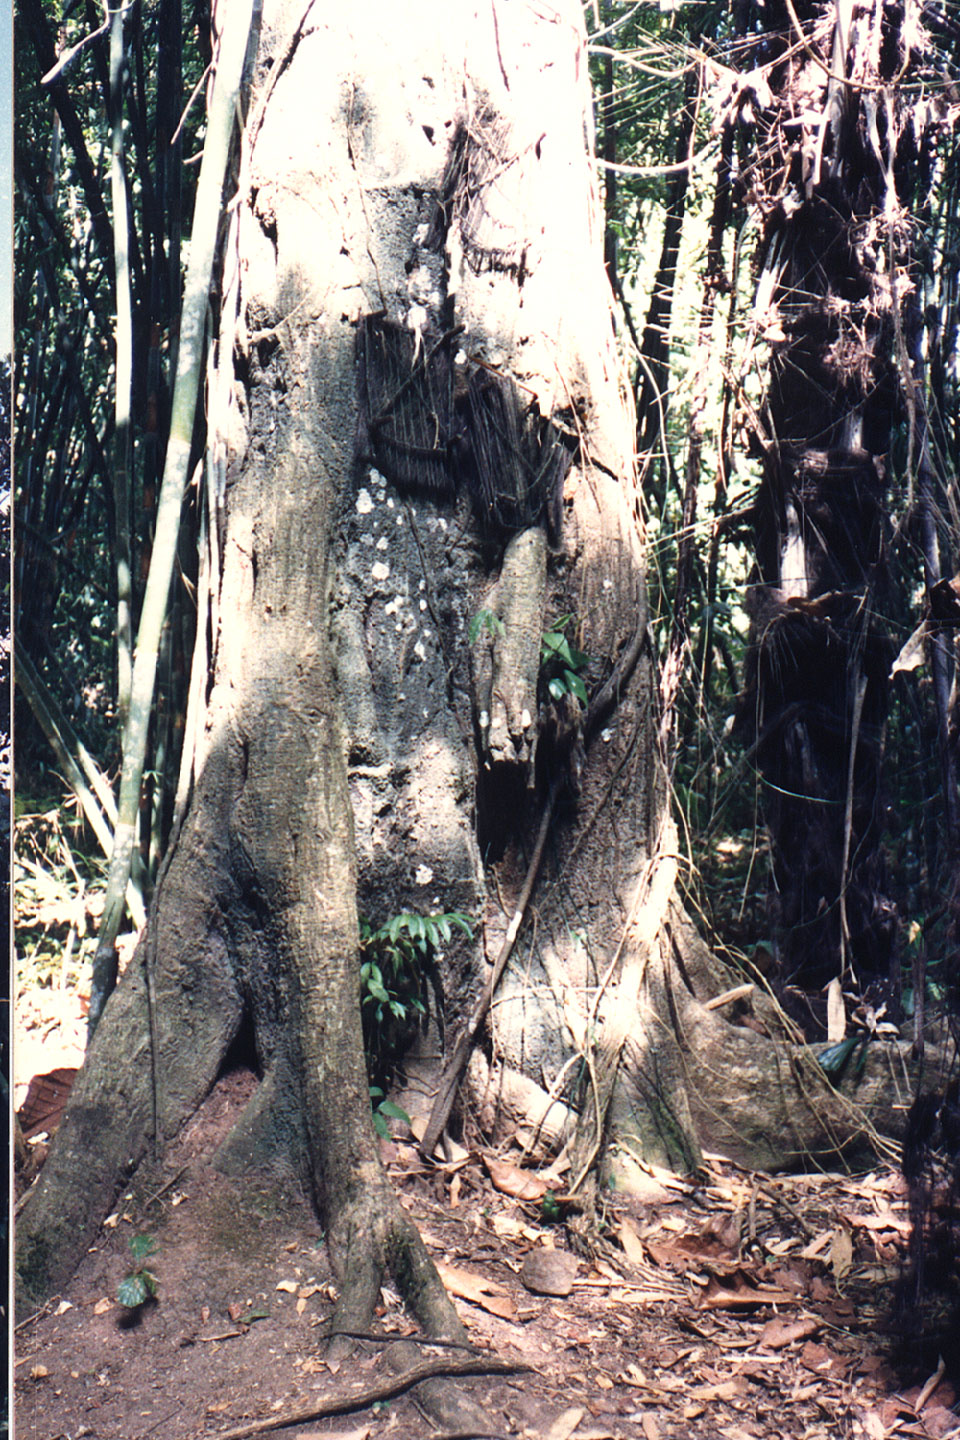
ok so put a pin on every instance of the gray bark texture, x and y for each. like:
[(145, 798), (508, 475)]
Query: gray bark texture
[(416, 177)]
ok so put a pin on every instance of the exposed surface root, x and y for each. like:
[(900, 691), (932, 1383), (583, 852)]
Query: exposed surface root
[(424, 1371)]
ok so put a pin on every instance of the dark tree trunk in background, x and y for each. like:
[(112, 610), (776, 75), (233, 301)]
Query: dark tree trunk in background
[(839, 185)]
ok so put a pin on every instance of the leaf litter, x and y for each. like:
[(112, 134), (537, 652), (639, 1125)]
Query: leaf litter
[(748, 1307)]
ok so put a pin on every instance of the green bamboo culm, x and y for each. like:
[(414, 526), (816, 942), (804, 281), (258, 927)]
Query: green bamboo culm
[(223, 108), (122, 467)]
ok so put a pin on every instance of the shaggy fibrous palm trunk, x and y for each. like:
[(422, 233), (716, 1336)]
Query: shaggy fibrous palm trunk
[(416, 417), (835, 170)]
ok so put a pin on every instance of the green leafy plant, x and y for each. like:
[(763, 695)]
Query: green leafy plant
[(140, 1285), (834, 1060), (484, 620), (384, 1110), (561, 664), (397, 973)]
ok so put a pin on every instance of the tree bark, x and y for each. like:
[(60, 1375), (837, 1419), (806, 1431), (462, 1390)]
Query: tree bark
[(419, 192)]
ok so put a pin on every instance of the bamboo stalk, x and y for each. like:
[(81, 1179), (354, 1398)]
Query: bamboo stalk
[(226, 86)]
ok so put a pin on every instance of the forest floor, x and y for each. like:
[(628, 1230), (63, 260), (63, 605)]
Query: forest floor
[(744, 1305)]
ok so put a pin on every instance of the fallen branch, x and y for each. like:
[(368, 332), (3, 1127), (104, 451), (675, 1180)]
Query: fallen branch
[(372, 1395)]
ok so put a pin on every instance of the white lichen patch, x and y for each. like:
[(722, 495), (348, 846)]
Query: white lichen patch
[(364, 502), (417, 318), (419, 650), (525, 719), (380, 571), (366, 539), (376, 478), (424, 875), (423, 604)]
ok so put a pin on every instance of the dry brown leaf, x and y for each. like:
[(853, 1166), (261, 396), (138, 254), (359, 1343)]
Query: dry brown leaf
[(511, 1180), (841, 1253), (873, 1425), (646, 1189), (478, 1290), (724, 1231), (815, 1249), (726, 1390), (603, 1268), (666, 1255), (458, 1156), (630, 1240), (650, 1427), (819, 1358), (508, 1227), (779, 1332), (885, 1221), (735, 1292), (836, 1012), (39, 1372), (289, 1287), (565, 1424), (454, 1193), (912, 654), (45, 1100), (102, 1306)]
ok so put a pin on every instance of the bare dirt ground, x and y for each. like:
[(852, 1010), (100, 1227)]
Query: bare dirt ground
[(745, 1305)]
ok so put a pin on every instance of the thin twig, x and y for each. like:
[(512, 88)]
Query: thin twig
[(37, 1315)]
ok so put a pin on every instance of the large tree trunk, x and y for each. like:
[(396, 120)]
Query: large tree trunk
[(418, 254)]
